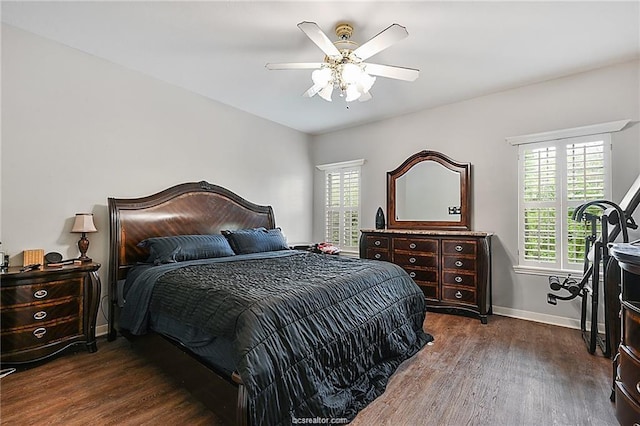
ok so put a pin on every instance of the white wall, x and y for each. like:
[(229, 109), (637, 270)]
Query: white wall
[(77, 129), (474, 131)]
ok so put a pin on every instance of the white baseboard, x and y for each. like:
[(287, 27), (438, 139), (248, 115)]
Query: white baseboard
[(543, 318), (102, 330)]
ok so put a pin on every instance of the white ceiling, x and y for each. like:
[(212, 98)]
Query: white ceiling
[(219, 48)]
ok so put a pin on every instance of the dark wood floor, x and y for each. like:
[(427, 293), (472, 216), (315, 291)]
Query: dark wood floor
[(509, 372)]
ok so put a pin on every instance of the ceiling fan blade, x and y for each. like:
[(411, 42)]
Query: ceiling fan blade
[(313, 31), (365, 97), (399, 73), (384, 39), (312, 90), (294, 66)]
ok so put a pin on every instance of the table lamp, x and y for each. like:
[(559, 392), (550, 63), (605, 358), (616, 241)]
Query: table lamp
[(83, 224)]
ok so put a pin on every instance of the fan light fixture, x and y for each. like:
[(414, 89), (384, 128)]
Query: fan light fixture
[(343, 67), (346, 73)]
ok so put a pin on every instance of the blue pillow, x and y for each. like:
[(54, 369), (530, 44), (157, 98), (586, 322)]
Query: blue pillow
[(256, 240), (180, 248)]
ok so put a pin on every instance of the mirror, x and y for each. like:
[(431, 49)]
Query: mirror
[(429, 191)]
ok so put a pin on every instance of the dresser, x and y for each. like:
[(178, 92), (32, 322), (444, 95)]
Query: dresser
[(43, 312), (453, 268), (627, 373)]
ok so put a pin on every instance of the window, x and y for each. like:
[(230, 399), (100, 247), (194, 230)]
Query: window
[(555, 178), (342, 204)]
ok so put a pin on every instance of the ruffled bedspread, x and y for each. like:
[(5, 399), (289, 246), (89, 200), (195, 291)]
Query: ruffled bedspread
[(314, 336)]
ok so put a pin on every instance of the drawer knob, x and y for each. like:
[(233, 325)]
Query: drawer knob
[(458, 263), (40, 332), (458, 248), (40, 294), (377, 242), (413, 275), (40, 315), (412, 260), (412, 245), (377, 256), (458, 279), (458, 295), (638, 387)]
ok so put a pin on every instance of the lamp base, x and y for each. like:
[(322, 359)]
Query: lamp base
[(84, 259)]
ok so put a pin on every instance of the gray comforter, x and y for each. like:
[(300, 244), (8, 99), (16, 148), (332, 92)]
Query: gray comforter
[(313, 335)]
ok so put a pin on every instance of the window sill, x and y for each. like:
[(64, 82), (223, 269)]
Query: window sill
[(535, 270)]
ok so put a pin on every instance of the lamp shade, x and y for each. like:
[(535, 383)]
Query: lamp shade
[(84, 223)]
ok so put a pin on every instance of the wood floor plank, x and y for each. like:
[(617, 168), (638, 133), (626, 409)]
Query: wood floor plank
[(508, 372)]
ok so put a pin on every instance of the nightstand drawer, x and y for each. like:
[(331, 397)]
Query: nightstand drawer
[(458, 295), (39, 313), (39, 335), (26, 294), (463, 247), (631, 326), (416, 245)]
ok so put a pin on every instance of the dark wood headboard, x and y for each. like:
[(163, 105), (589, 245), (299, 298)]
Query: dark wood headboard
[(194, 208)]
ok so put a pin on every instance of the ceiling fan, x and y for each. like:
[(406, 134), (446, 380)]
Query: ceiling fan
[(343, 67)]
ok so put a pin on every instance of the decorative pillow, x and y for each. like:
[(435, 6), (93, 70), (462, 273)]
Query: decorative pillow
[(256, 240), (186, 247)]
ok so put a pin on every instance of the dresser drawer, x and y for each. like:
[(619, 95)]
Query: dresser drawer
[(459, 278), (423, 245), (631, 330), (423, 276), (460, 295), (415, 260), (627, 410), (39, 313), (377, 242), (463, 247), (459, 263), (378, 254), (430, 291), (25, 294), (629, 372), (39, 335)]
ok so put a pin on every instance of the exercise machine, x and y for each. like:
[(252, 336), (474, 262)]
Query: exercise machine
[(599, 268)]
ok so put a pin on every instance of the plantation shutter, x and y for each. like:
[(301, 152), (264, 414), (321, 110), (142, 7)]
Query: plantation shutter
[(342, 204)]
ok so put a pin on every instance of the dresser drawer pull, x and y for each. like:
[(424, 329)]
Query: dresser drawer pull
[(458, 263), (412, 245), (377, 242), (377, 256), (40, 294), (40, 315), (458, 248), (412, 260), (413, 275), (458, 279), (40, 332), (638, 387), (458, 295)]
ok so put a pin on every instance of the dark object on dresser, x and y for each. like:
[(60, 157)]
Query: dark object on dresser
[(627, 373), (380, 223), (47, 311), (453, 268), (204, 209)]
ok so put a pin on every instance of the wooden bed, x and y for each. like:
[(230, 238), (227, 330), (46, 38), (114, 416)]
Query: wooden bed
[(317, 363), (185, 209)]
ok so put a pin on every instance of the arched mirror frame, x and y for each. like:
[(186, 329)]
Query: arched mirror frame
[(464, 169)]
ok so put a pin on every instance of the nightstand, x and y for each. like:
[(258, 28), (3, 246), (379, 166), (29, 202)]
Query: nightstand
[(46, 311)]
